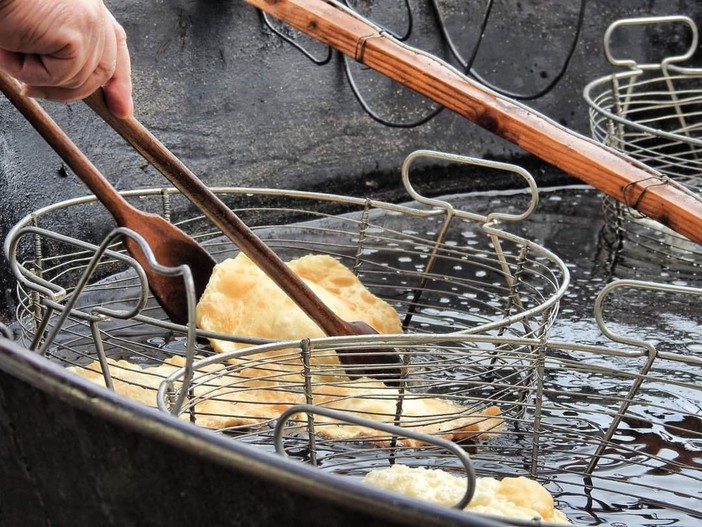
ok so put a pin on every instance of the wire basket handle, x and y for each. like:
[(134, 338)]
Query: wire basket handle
[(633, 284), (650, 20), (53, 293), (453, 158), (310, 410)]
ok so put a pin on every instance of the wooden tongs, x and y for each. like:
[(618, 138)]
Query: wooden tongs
[(172, 247), (604, 168)]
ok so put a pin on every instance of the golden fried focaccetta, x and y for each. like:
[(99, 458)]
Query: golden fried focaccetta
[(374, 401), (225, 398), (220, 400), (241, 300), (514, 497)]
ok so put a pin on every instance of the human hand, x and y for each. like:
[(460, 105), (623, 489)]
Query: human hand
[(64, 50)]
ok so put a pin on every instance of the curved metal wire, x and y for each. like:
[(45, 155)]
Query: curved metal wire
[(468, 64)]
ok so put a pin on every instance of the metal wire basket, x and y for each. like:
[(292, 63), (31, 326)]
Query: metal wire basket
[(444, 270), (652, 113), (613, 431)]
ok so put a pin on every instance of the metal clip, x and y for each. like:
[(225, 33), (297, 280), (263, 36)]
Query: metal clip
[(658, 181), (361, 45)]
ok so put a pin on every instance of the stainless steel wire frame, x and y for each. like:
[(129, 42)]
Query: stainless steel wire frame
[(594, 429), (444, 270), (653, 113)]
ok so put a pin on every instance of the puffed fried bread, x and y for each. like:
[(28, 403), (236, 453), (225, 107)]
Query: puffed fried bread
[(241, 300), (512, 497), (229, 400)]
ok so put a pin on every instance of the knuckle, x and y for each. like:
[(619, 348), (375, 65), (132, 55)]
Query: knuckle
[(120, 34), (105, 70), (76, 80)]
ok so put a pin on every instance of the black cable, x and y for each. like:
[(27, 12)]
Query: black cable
[(300, 48), (357, 94), (410, 22), (375, 116), (467, 65)]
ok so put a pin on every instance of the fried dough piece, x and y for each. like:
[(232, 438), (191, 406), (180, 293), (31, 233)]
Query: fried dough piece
[(221, 400), (129, 379), (517, 498), (232, 401), (429, 415), (226, 399), (241, 300), (363, 398)]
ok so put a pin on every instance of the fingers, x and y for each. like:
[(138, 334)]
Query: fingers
[(11, 62), (118, 89), (80, 67), (58, 43), (71, 74)]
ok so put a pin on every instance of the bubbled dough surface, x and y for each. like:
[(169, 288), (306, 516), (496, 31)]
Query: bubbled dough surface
[(241, 300), (518, 498)]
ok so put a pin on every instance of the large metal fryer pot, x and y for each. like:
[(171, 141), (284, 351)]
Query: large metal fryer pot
[(74, 454)]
